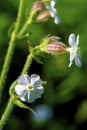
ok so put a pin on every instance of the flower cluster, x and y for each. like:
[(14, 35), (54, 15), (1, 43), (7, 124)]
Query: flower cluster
[(46, 10), (29, 88)]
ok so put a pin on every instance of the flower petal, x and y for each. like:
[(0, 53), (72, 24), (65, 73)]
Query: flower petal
[(36, 94), (56, 19), (37, 83), (72, 40), (72, 56), (53, 2), (77, 40), (34, 78), (24, 79), (23, 97), (20, 89), (26, 96), (77, 60), (32, 97)]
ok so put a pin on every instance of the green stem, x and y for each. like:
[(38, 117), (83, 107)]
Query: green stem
[(11, 47), (28, 63), (27, 23), (10, 103), (6, 113), (6, 64)]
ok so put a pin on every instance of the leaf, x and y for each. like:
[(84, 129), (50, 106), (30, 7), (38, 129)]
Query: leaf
[(38, 60), (22, 105)]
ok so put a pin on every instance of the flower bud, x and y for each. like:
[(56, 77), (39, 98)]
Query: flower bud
[(43, 16), (39, 6), (56, 48)]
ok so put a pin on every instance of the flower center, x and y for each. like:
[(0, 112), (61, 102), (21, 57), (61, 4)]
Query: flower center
[(30, 87), (73, 50)]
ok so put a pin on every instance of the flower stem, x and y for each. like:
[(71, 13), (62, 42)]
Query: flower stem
[(6, 113), (28, 63), (11, 47), (10, 104), (27, 23)]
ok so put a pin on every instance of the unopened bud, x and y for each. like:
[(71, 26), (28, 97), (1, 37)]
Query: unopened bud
[(39, 6), (43, 16), (56, 48)]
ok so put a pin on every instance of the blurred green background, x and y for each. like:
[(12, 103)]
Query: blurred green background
[(66, 90)]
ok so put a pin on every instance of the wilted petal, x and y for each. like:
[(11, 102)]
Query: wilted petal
[(24, 79)]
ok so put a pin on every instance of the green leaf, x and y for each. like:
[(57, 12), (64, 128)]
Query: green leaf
[(38, 60), (22, 105)]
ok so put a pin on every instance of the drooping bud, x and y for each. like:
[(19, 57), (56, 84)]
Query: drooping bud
[(44, 16), (39, 6), (56, 48)]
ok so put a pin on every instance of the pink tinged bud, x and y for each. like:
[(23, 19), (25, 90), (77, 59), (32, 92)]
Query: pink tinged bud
[(56, 48), (39, 6), (43, 16)]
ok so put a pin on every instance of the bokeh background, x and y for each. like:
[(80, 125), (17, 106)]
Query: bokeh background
[(63, 105)]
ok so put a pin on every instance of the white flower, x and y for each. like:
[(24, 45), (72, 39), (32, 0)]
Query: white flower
[(29, 87), (53, 11), (74, 50)]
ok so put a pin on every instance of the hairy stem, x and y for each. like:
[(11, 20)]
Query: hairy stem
[(28, 63), (11, 47), (27, 23), (7, 112), (10, 102)]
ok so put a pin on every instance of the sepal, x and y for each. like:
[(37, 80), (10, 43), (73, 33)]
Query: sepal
[(20, 104), (12, 88)]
